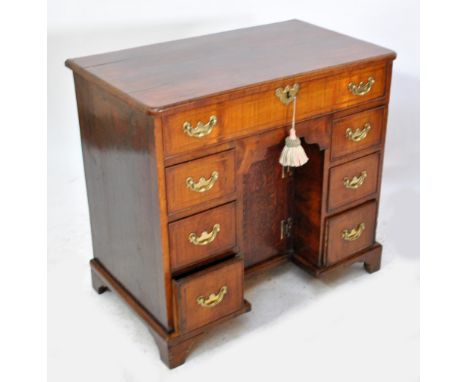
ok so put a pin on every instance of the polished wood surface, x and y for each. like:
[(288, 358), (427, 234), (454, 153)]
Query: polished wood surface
[(365, 168), (181, 197), (173, 347), (177, 141), (309, 202), (197, 67), (342, 145), (239, 116), (370, 257), (181, 210), (122, 189), (229, 274), (337, 248), (185, 253), (264, 197)]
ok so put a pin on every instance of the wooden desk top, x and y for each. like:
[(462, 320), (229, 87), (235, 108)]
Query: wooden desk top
[(159, 75)]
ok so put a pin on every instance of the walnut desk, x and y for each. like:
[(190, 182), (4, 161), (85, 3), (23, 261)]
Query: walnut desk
[(181, 142)]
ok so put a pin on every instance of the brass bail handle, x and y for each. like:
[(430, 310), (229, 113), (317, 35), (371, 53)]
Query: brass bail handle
[(205, 238), (356, 181), (203, 184), (359, 134), (213, 299), (201, 130), (362, 88), (353, 234)]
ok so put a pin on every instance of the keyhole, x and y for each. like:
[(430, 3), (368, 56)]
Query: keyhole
[(288, 95)]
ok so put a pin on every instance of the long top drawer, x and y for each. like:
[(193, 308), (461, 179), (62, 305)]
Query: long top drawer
[(190, 127)]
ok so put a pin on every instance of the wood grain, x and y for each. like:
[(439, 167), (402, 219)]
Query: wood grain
[(257, 112), (197, 67), (192, 315), (337, 248), (265, 198), (341, 146), (181, 197), (339, 196), (120, 180), (308, 201), (184, 253), (132, 107)]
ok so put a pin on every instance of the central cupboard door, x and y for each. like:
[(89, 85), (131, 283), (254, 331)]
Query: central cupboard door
[(264, 197)]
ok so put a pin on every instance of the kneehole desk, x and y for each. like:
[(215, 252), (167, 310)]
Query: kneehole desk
[(181, 142)]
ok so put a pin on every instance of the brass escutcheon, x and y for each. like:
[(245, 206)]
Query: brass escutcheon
[(287, 94)]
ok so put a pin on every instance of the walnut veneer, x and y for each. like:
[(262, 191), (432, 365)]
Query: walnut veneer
[(181, 142)]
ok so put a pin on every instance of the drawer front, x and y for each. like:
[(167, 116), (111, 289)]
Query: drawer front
[(357, 132), (202, 236), (193, 129), (208, 295), (201, 180), (353, 180), (350, 232), (186, 130), (361, 85)]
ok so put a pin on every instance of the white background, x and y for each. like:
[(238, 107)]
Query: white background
[(351, 326)]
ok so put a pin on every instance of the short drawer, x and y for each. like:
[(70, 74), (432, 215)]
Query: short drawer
[(196, 182), (353, 180), (202, 236), (350, 232), (191, 127), (357, 132), (208, 295)]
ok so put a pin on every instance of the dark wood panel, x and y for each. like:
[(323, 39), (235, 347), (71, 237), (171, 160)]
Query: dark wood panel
[(118, 153), (265, 197), (308, 201)]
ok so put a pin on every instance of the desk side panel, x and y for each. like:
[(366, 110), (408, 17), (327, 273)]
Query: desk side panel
[(123, 195)]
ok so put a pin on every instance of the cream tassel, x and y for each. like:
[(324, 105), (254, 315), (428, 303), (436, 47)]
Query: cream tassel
[(293, 154)]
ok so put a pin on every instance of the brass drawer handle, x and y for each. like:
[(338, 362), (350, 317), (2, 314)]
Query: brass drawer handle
[(287, 94), (213, 299), (203, 184), (356, 181), (354, 234), (359, 134), (205, 238), (202, 129), (362, 88)]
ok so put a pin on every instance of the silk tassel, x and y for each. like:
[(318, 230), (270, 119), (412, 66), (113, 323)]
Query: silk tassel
[(293, 154)]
